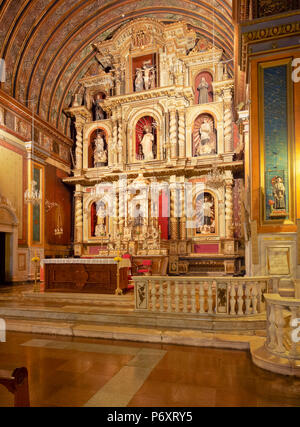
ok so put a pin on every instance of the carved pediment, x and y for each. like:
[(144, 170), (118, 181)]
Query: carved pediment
[(140, 34)]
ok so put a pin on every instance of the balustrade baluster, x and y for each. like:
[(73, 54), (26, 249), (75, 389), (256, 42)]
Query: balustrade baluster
[(240, 294), (201, 297), (280, 329), (169, 300), (153, 296), (254, 298), (193, 298), (161, 296), (210, 298), (271, 329), (247, 299), (176, 297), (232, 299), (185, 299)]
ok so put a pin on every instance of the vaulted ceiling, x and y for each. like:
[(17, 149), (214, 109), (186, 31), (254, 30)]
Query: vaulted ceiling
[(47, 43)]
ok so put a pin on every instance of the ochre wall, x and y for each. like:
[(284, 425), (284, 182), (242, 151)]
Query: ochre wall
[(13, 175)]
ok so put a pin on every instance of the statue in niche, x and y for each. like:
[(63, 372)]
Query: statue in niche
[(147, 143), (203, 91), (204, 136), (278, 193), (149, 75), (139, 82), (205, 214), (98, 110), (100, 153), (100, 229), (138, 216)]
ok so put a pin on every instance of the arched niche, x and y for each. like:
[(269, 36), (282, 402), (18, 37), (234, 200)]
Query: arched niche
[(203, 88), (206, 214), (99, 219), (98, 148), (204, 136), (146, 139)]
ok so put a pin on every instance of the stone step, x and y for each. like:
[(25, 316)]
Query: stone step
[(139, 334), (131, 318), (81, 298)]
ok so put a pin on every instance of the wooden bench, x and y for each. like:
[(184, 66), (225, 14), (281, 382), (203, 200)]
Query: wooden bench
[(17, 384)]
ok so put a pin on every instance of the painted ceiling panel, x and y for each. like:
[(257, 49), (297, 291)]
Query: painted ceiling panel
[(47, 44)]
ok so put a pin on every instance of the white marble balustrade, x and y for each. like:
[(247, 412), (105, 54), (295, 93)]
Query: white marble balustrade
[(283, 326), (201, 295)]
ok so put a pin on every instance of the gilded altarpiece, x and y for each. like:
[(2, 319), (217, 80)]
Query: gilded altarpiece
[(167, 129)]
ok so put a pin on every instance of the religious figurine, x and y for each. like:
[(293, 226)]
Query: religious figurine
[(100, 153), (205, 216), (148, 71), (98, 110), (147, 143), (139, 82), (100, 229), (204, 147), (278, 193), (207, 212), (203, 91), (138, 216), (152, 80)]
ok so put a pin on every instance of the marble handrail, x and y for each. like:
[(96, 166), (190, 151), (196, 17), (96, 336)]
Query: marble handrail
[(282, 324), (214, 296)]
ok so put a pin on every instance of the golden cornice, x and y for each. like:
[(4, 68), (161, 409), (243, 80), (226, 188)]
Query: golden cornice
[(186, 170), (266, 34), (169, 91), (80, 113)]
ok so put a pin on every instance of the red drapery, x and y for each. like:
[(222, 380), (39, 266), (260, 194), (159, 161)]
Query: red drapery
[(163, 219), (93, 219)]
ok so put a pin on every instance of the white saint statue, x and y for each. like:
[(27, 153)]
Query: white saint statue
[(203, 91), (100, 154), (147, 143), (139, 82), (100, 229)]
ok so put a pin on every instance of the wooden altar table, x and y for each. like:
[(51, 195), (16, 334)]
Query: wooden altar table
[(98, 276)]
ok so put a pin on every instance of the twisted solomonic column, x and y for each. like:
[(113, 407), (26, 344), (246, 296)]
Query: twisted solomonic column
[(229, 208), (78, 217), (173, 133), (120, 143), (79, 145), (181, 132), (228, 120), (115, 142)]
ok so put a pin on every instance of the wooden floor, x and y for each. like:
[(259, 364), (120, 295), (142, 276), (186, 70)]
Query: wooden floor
[(86, 372)]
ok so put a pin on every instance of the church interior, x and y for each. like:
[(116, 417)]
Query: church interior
[(149, 203)]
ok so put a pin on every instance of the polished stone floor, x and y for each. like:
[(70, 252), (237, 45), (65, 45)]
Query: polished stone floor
[(91, 372)]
